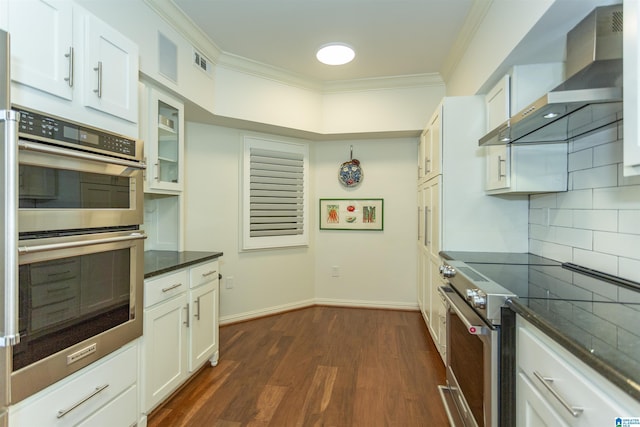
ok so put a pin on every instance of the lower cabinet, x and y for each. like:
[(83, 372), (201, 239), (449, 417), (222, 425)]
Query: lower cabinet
[(180, 329), (102, 394), (554, 388)]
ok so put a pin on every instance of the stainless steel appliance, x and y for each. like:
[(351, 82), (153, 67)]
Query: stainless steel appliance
[(590, 97), (473, 317), (480, 389), (8, 255), (73, 176), (73, 250)]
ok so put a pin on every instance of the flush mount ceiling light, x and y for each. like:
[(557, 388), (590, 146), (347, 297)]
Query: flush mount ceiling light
[(335, 54)]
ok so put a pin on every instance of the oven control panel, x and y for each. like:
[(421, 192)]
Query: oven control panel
[(47, 128)]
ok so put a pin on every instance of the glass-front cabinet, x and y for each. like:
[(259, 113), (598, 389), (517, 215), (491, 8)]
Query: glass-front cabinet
[(165, 144)]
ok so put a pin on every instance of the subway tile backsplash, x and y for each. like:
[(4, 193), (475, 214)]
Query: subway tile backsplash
[(595, 223)]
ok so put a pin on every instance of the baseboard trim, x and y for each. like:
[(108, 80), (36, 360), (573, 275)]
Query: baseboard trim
[(250, 315)]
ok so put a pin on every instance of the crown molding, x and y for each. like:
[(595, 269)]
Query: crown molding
[(175, 17), (474, 18)]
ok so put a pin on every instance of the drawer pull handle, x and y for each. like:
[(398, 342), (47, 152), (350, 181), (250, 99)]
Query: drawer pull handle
[(574, 411), (172, 287), (63, 412), (209, 273)]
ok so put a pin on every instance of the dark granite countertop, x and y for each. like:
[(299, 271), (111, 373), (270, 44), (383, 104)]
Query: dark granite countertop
[(160, 262), (593, 320), (600, 342)]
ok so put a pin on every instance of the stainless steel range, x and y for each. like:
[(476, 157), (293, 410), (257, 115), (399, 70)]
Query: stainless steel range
[(473, 317), (480, 345)]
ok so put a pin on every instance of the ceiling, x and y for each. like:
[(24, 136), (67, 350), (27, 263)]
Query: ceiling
[(391, 37)]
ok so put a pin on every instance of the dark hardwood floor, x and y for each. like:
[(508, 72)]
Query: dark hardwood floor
[(319, 366)]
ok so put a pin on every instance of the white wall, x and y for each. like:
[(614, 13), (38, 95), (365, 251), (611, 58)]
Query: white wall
[(597, 222), (504, 26), (377, 268), (264, 281)]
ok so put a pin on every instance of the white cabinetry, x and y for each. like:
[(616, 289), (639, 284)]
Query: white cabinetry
[(164, 146), (102, 394), (180, 329), (165, 350), (42, 48), (113, 85), (523, 168), (429, 162), (554, 388), (59, 49), (631, 89)]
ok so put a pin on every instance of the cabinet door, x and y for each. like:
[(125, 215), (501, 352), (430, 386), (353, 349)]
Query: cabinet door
[(437, 309), (42, 51), (433, 158), (533, 409), (165, 349), (110, 71), (165, 147), (498, 167), (432, 217), (203, 330), (631, 89), (497, 103)]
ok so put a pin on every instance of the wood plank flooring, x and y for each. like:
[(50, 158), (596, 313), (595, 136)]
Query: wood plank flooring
[(318, 366)]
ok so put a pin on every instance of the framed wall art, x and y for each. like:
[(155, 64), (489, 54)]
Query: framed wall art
[(352, 214)]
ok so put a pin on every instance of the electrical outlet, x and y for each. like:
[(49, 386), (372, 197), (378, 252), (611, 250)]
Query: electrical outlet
[(228, 282), (335, 271)]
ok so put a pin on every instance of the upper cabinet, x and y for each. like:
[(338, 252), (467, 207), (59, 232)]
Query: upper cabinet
[(631, 89), (164, 146), (429, 159), (43, 52), (529, 168), (64, 59), (111, 70)]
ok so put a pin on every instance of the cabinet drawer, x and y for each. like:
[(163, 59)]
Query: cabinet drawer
[(122, 411), (204, 273), (81, 395), (165, 287), (582, 388)]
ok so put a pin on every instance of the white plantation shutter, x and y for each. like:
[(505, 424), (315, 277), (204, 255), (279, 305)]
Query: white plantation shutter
[(275, 199)]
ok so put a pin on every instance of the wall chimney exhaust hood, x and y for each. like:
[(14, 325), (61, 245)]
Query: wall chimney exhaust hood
[(589, 99)]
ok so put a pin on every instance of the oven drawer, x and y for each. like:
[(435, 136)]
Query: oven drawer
[(118, 373), (204, 273), (165, 287), (559, 376)]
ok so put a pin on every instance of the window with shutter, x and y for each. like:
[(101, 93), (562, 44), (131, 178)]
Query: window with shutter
[(274, 199)]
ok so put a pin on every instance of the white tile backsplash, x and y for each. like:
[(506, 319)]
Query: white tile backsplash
[(597, 222), (579, 160), (603, 220), (608, 154), (577, 199), (629, 222), (596, 177)]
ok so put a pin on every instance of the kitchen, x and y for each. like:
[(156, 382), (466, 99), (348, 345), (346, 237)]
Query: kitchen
[(269, 281)]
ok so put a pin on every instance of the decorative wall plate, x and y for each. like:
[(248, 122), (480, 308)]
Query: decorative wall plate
[(350, 173)]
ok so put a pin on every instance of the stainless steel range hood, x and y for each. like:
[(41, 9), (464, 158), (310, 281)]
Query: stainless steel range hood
[(589, 99)]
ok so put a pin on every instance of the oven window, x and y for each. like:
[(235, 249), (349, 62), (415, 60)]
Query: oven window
[(466, 358), (67, 300), (49, 188)]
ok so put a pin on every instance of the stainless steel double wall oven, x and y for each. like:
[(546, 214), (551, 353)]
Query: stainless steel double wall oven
[(79, 204)]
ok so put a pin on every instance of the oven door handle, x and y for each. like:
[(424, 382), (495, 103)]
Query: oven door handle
[(475, 326), (48, 149), (76, 244), (9, 329)]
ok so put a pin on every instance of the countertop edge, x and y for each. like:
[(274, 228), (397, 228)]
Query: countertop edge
[(194, 257), (611, 374)]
